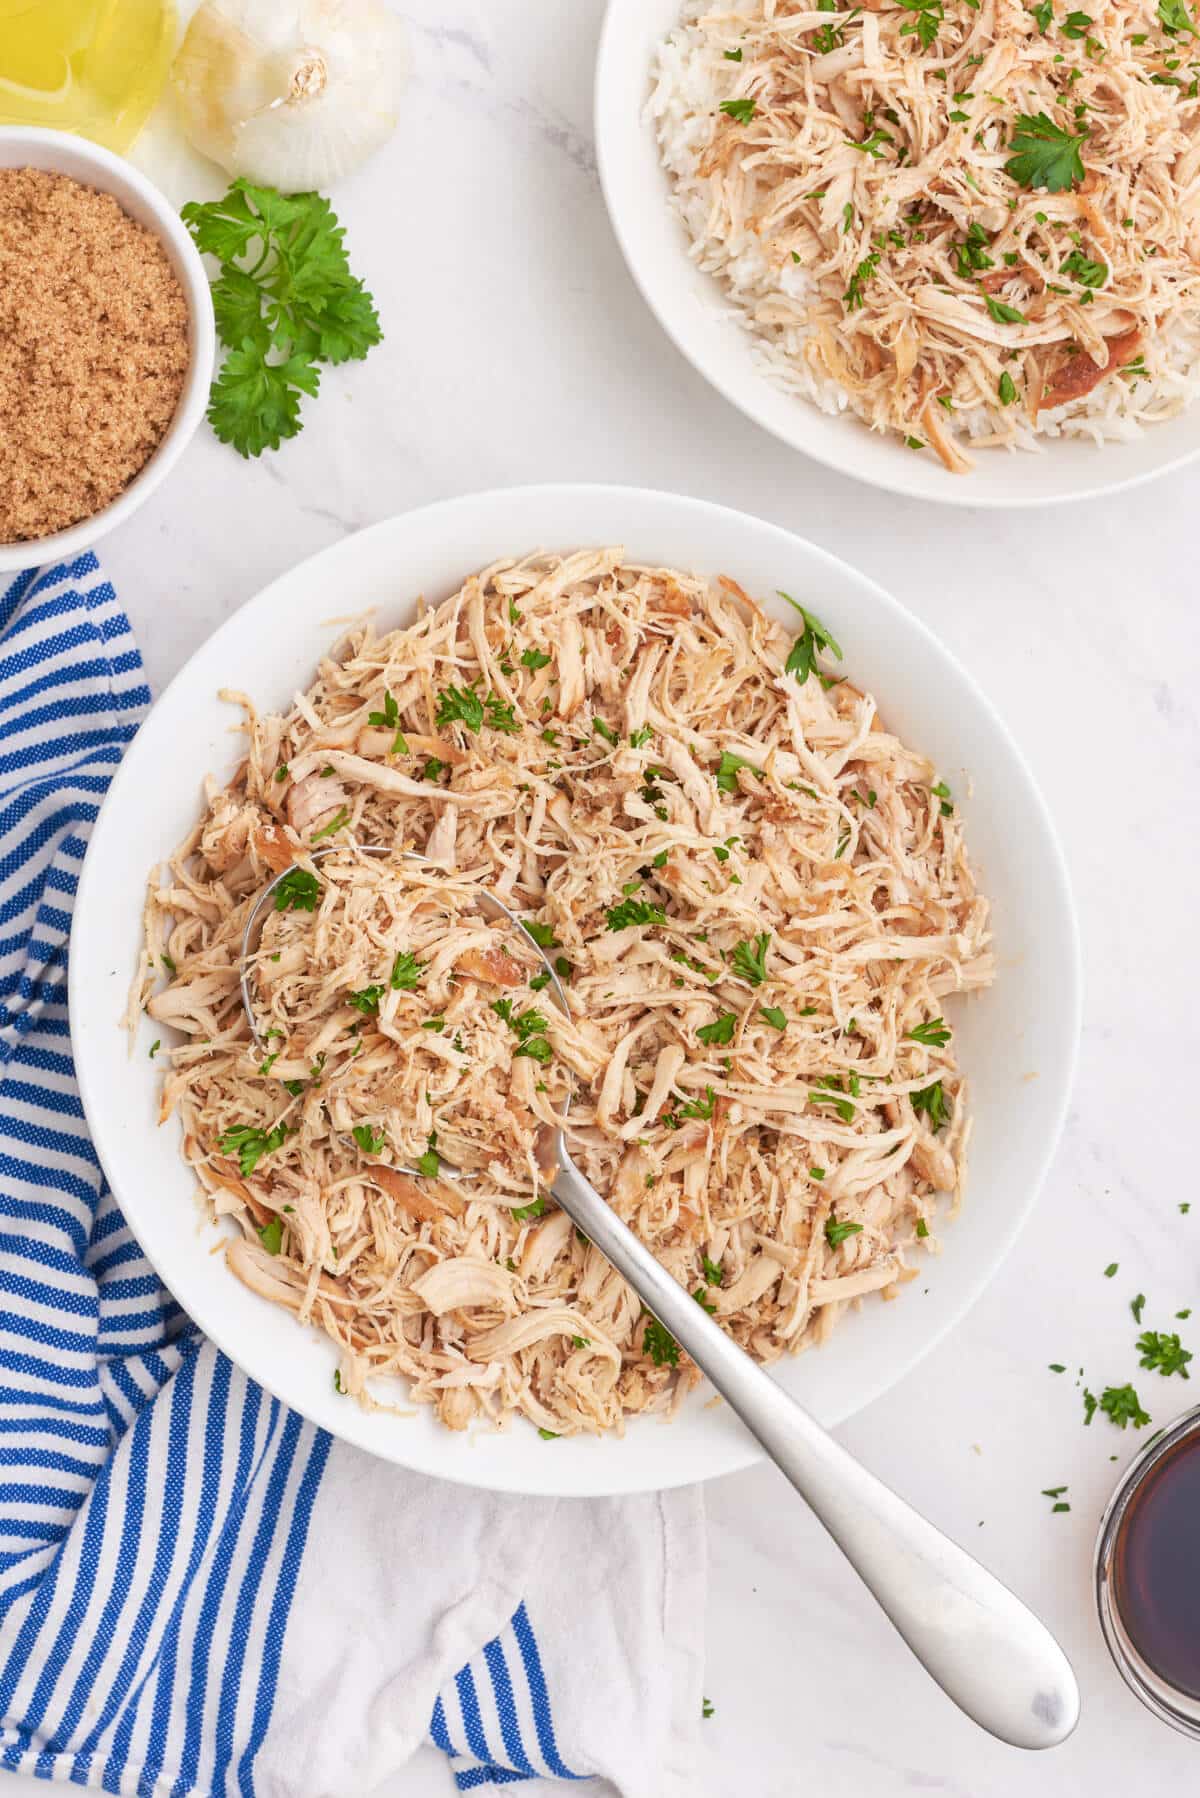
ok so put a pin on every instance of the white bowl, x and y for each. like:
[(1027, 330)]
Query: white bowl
[(61, 153), (695, 312), (1026, 1025)]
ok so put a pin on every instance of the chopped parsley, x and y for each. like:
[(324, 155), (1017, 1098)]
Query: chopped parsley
[(749, 960), (1174, 17), (541, 934), (1002, 313), (271, 1235), (1122, 1405), (155, 1046), (713, 1272), (836, 1233), (701, 1297), (922, 1227), (602, 729), (460, 705), (659, 1344), (406, 972), (1137, 1306), (369, 1140), (634, 911), (338, 822), (430, 1162), (1164, 1353), (535, 1208), (366, 1000), (638, 738), (741, 110), (549, 1435), (933, 1033), (389, 719), (1006, 390), (250, 1144), (727, 770), (774, 1016), (297, 891), (1111, 1269), (832, 1096), (929, 15), (535, 658), (720, 1030), (933, 1102), (802, 656), (1044, 155)]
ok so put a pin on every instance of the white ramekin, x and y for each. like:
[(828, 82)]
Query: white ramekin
[(61, 153)]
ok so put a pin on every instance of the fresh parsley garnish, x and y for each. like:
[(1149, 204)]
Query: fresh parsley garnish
[(369, 1140), (1174, 17), (749, 960), (774, 1016), (430, 1162), (1164, 1353), (250, 1143), (338, 821), (459, 705), (522, 1213), (285, 301), (1002, 313), (406, 972), (297, 891), (933, 1033), (389, 719), (837, 1232), (713, 1272), (831, 1094), (741, 110), (366, 1000), (802, 656), (1137, 1306), (535, 658), (641, 736), (1045, 155), (634, 911), (541, 934), (925, 26), (271, 1235), (720, 1030), (1006, 389), (933, 1102), (659, 1344), (1122, 1405), (1086, 272), (727, 768)]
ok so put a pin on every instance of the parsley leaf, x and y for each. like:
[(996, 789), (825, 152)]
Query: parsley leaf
[(659, 1344), (541, 934), (366, 1000), (459, 705), (535, 1208), (720, 1030), (1087, 273), (774, 1016), (1002, 313), (836, 1233), (634, 911), (1044, 155), (1122, 1405), (250, 1144), (284, 301), (933, 1033), (535, 658), (933, 1102), (297, 891), (1166, 1353), (750, 959), (406, 972), (1174, 17), (713, 1272), (271, 1235), (369, 1140), (802, 656), (727, 770), (741, 110)]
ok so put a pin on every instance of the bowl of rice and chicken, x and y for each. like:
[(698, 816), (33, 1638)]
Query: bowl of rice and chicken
[(925, 238)]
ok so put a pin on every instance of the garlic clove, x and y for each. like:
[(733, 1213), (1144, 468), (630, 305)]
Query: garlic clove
[(291, 96)]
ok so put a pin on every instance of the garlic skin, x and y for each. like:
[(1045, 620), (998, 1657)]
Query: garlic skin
[(291, 94)]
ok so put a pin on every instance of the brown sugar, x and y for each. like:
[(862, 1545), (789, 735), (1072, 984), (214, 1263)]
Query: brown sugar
[(93, 351)]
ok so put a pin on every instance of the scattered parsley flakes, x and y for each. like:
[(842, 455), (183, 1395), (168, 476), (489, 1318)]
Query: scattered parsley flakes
[(933, 1102), (634, 911), (406, 972), (659, 1344), (727, 770), (369, 1140), (749, 960), (774, 1016), (741, 110), (837, 1232)]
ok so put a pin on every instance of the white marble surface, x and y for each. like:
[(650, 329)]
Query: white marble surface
[(518, 350)]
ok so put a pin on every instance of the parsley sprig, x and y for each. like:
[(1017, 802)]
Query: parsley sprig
[(802, 656), (285, 301), (1044, 154)]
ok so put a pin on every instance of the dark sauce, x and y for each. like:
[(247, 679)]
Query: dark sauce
[(1156, 1568)]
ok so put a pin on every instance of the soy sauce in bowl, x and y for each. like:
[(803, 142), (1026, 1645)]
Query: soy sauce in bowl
[(1148, 1575)]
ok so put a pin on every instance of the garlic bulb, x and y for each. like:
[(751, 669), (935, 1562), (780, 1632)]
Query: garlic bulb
[(290, 93)]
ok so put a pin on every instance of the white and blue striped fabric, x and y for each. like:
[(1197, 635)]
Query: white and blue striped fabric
[(155, 1505)]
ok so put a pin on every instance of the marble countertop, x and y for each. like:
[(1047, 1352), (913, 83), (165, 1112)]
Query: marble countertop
[(518, 350)]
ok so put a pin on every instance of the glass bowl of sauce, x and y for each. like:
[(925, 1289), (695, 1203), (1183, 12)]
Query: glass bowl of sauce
[(1148, 1575)]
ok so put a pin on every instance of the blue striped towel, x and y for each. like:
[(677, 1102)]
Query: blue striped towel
[(199, 1591)]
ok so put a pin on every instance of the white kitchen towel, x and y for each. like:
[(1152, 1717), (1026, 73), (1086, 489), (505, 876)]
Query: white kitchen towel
[(199, 1591)]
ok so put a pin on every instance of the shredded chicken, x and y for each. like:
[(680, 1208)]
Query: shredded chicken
[(855, 177), (759, 902)]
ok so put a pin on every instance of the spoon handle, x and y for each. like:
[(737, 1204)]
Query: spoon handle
[(986, 1650)]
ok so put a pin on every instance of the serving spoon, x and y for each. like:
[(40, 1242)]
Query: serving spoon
[(987, 1650)]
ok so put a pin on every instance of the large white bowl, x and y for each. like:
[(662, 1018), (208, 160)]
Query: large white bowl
[(1028, 1024), (695, 312), (62, 153)]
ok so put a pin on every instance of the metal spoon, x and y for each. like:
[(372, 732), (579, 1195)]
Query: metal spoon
[(986, 1650)]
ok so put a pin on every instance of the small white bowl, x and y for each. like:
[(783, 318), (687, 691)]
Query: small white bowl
[(696, 313), (61, 153)]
